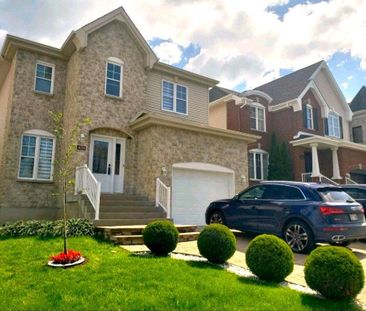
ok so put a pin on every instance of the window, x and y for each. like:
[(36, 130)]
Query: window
[(357, 194), (36, 155), (334, 195), (309, 117), (276, 192), (333, 125), (257, 118), (44, 78), (113, 77), (357, 134), (252, 193), (174, 97), (258, 164)]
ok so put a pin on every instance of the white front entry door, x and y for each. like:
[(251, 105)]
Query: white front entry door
[(107, 159)]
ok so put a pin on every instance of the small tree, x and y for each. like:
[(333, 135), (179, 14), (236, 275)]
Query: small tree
[(64, 166), (279, 160)]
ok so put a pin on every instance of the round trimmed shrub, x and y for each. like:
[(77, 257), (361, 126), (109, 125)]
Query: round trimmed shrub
[(216, 243), (335, 272), (269, 258), (161, 237)]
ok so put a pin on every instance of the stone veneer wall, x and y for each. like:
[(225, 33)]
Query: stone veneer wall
[(160, 146), (29, 111), (359, 119)]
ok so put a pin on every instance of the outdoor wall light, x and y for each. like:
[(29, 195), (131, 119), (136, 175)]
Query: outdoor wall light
[(243, 179), (164, 171)]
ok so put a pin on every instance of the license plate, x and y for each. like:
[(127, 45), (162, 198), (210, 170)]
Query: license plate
[(353, 217)]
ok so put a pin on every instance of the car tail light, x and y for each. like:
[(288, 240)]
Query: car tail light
[(331, 210)]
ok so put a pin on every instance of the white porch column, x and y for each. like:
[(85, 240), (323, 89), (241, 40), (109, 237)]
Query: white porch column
[(336, 173), (315, 161)]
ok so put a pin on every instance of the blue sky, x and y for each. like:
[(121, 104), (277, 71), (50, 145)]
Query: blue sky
[(243, 44)]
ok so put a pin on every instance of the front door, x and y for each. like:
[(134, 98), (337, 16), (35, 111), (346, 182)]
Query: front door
[(107, 157)]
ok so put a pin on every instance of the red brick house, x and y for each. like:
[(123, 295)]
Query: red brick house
[(305, 109)]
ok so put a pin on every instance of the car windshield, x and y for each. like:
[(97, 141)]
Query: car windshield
[(334, 195)]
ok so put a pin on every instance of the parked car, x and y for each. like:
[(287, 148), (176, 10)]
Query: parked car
[(357, 192), (301, 213)]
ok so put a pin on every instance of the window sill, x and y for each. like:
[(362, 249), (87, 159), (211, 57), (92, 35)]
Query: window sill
[(114, 97), (258, 130), (42, 93), (252, 179), (37, 181), (175, 112)]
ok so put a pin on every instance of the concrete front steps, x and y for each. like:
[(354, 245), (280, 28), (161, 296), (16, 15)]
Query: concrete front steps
[(125, 210), (132, 235)]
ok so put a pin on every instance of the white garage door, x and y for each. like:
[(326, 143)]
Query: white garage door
[(193, 189)]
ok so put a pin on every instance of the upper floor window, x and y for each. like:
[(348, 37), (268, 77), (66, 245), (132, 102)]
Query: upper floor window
[(357, 134), (44, 78), (258, 164), (36, 155), (114, 77), (309, 117), (174, 97), (257, 118), (334, 128)]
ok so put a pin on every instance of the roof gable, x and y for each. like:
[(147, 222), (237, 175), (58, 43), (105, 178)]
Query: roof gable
[(359, 101), (79, 38), (290, 86)]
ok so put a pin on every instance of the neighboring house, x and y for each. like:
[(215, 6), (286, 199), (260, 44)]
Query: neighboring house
[(305, 109), (149, 120), (358, 107)]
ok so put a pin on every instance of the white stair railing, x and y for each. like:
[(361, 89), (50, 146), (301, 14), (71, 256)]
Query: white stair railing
[(306, 177), (86, 183), (349, 181), (162, 197)]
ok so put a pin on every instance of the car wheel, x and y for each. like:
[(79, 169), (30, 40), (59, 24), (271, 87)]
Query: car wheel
[(299, 237), (217, 218)]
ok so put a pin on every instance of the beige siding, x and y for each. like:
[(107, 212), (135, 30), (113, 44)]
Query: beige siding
[(218, 116), (197, 97), (333, 100)]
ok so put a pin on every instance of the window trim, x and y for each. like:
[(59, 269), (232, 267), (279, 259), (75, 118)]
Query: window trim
[(38, 134), (174, 97), (53, 66), (332, 114), (118, 62), (261, 153), (258, 106), (353, 134), (311, 109)]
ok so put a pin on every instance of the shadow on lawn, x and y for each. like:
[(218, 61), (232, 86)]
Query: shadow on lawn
[(322, 303)]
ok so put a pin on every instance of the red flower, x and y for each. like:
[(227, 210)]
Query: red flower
[(70, 257)]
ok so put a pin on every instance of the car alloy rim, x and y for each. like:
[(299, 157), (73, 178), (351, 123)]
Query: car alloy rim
[(216, 219), (296, 237)]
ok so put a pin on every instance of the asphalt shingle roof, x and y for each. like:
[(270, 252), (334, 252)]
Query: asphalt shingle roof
[(290, 86), (359, 101)]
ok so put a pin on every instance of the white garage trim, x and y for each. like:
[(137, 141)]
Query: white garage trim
[(203, 167)]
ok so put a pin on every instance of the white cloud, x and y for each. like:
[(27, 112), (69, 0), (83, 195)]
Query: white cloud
[(344, 85), (341, 63), (241, 41), (169, 52), (349, 77)]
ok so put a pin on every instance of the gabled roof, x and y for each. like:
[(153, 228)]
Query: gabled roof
[(290, 86), (359, 101), (218, 92)]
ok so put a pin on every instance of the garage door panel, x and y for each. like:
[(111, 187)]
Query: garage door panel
[(192, 192)]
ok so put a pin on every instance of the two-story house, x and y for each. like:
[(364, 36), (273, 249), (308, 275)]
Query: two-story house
[(149, 121), (358, 107), (305, 109)]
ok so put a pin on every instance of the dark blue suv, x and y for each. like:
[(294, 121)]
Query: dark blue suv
[(301, 213)]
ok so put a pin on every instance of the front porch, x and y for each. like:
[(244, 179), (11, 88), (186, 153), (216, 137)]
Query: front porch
[(328, 159)]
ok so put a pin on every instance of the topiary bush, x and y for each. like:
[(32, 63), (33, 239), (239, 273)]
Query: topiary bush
[(216, 243), (47, 229), (335, 272), (161, 237), (269, 258)]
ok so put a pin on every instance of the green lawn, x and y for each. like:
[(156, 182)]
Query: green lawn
[(112, 279)]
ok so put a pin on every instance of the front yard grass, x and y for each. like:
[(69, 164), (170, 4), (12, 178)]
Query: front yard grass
[(112, 279)]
